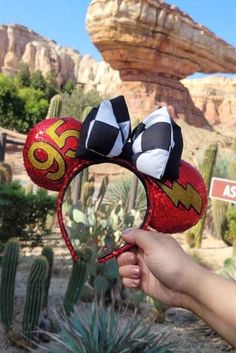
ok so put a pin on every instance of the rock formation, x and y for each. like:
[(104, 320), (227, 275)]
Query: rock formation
[(215, 97), (21, 45), (154, 46)]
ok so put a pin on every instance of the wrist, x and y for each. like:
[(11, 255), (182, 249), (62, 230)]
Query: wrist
[(192, 293)]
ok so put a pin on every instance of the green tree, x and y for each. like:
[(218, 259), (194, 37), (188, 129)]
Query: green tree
[(52, 86), (11, 105), (75, 103), (35, 106), (22, 77), (37, 81), (68, 87)]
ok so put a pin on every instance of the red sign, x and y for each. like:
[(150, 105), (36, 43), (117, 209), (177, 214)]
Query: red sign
[(223, 189)]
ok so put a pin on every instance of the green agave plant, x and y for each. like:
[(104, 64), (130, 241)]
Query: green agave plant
[(121, 190), (103, 330)]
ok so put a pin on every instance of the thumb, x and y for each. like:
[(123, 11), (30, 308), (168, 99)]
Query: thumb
[(143, 239)]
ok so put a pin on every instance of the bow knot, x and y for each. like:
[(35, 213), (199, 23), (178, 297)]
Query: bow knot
[(155, 146)]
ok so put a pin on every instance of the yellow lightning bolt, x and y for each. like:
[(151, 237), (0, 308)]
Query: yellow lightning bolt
[(188, 196)]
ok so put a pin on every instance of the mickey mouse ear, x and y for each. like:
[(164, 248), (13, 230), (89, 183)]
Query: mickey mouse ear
[(50, 151)]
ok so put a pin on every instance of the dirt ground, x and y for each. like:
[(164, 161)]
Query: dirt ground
[(190, 333)]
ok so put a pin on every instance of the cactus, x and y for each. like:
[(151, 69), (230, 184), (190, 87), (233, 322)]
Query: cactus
[(3, 179), (5, 173), (48, 253), (85, 112), (85, 175), (50, 221), (234, 145), (101, 285), (219, 211), (87, 191), (76, 282), (232, 169), (55, 106), (37, 288), (103, 277), (110, 270), (206, 170), (9, 266), (102, 191), (34, 296), (29, 189)]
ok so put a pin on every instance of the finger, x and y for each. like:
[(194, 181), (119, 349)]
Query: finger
[(127, 258), (130, 271), (131, 283), (145, 240)]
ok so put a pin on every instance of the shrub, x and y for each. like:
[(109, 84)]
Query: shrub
[(11, 105), (221, 168), (35, 107), (24, 98), (68, 87), (23, 215), (75, 103)]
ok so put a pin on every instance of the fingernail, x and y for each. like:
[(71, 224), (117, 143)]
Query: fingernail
[(135, 271), (130, 259), (127, 230), (136, 282)]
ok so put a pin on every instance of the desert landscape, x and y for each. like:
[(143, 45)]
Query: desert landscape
[(132, 38), (181, 326)]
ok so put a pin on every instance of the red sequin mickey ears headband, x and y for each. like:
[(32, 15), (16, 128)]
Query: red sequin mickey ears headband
[(174, 205)]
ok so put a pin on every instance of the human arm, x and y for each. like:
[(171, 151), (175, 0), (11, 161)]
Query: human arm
[(163, 270)]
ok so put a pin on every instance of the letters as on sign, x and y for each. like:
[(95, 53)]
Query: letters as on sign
[(230, 191), (223, 189)]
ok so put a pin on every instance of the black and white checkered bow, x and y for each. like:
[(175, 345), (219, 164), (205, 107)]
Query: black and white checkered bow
[(155, 146)]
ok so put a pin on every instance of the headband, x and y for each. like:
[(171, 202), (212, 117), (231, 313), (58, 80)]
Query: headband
[(58, 149)]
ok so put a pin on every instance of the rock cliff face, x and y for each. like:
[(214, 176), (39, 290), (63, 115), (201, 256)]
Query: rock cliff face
[(154, 46), (215, 97), (145, 38), (19, 44)]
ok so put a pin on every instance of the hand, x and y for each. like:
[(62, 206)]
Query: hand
[(163, 270), (160, 267)]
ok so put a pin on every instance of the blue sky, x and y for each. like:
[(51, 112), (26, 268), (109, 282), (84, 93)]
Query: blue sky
[(64, 20)]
